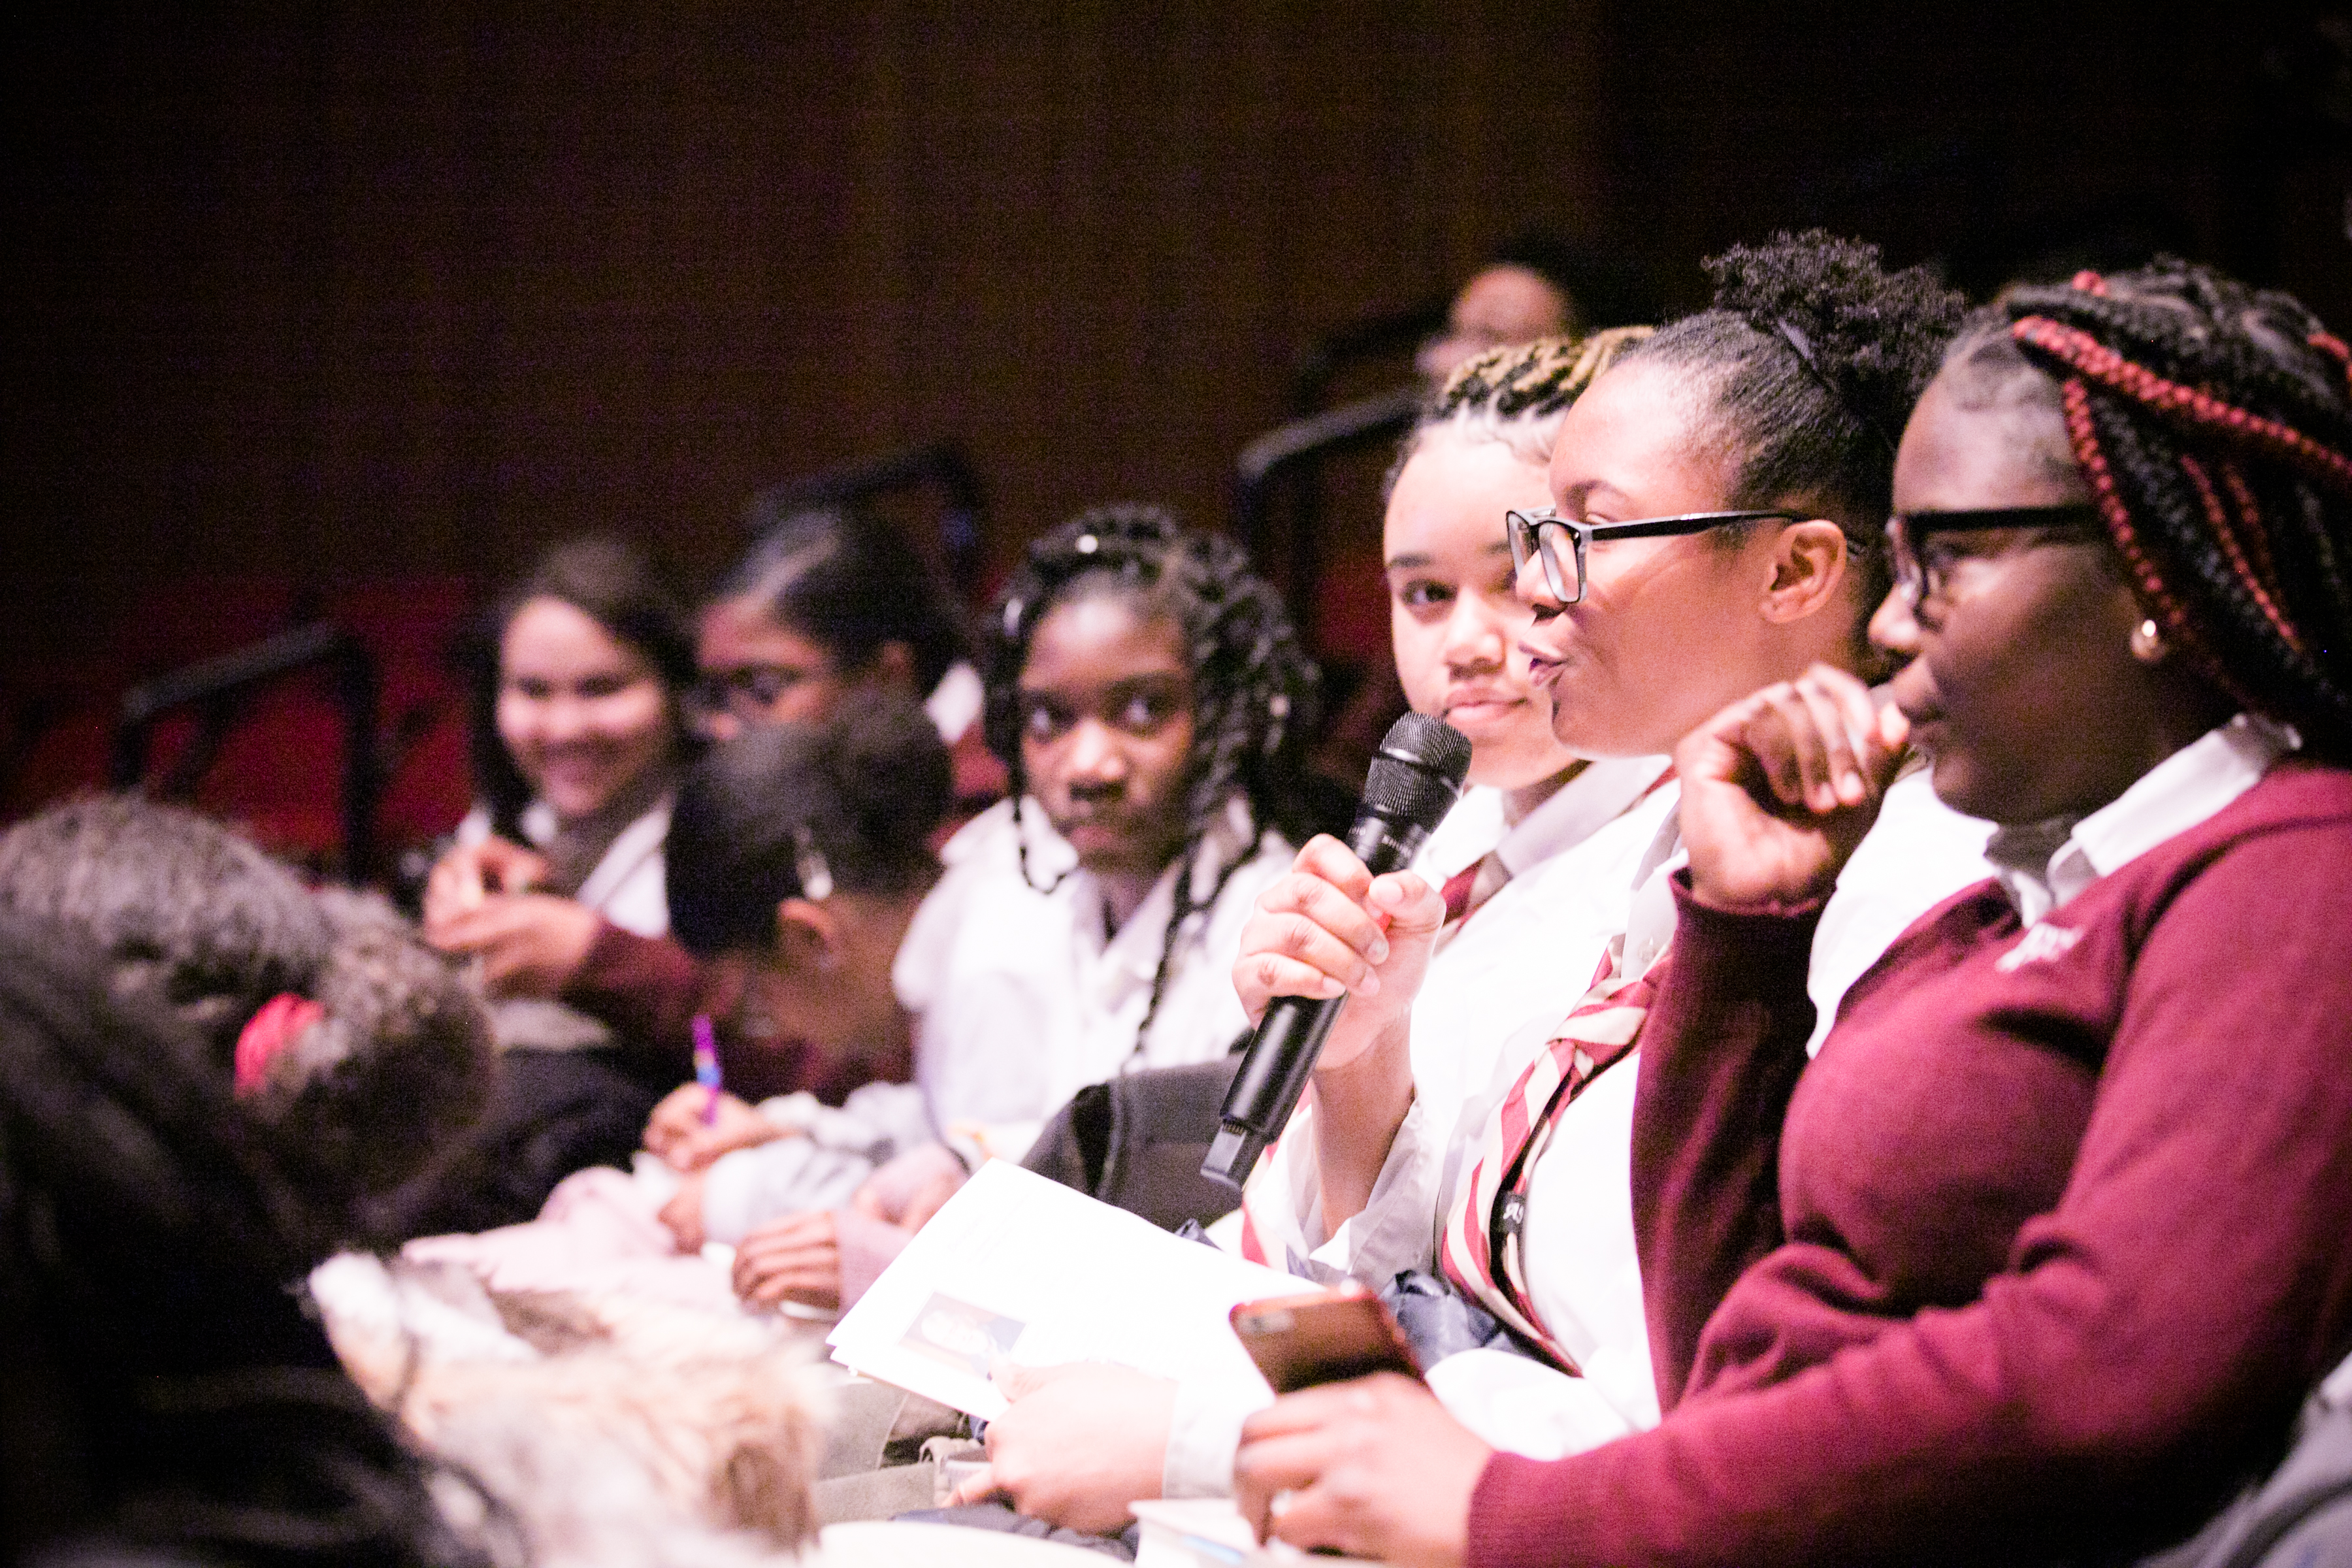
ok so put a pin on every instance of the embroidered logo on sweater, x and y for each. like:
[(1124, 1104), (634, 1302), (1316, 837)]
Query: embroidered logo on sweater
[(2039, 945)]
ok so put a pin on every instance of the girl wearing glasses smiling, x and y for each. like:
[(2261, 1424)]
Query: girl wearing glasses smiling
[(2036, 1260)]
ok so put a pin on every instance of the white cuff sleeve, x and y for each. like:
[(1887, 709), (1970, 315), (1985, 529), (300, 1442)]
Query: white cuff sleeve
[(1524, 1407), (1397, 1227), (1203, 1433)]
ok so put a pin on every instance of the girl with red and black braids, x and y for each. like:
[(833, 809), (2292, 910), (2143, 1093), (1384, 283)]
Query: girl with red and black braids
[(2036, 1260)]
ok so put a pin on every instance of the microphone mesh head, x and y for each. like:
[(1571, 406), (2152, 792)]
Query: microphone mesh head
[(1417, 773)]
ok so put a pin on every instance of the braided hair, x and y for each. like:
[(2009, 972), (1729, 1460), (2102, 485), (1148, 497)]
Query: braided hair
[(1809, 363), (2213, 425), (1516, 394), (1255, 691)]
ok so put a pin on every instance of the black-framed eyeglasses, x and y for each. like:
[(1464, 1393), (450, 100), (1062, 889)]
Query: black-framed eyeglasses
[(1920, 569), (1540, 532)]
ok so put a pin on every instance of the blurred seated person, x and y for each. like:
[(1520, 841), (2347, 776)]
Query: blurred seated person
[(353, 1049), (1534, 285), (2037, 1259), (168, 1399), (581, 733), (799, 854), (1150, 701), (830, 606)]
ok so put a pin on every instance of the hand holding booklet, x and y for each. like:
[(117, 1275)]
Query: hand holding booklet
[(1018, 1267)]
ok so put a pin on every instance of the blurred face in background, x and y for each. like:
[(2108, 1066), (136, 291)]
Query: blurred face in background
[(583, 713), (1106, 730), (1454, 617), (1499, 307), (756, 671)]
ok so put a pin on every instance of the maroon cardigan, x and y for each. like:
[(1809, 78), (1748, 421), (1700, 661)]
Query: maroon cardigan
[(2038, 1256)]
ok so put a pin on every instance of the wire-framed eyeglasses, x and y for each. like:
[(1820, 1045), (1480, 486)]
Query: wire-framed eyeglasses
[(1540, 532), (748, 694), (1921, 570)]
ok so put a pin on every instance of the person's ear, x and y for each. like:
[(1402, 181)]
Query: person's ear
[(893, 665), (809, 936), (1808, 565)]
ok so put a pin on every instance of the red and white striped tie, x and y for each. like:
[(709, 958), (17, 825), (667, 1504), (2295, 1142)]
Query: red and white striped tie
[(1480, 1252)]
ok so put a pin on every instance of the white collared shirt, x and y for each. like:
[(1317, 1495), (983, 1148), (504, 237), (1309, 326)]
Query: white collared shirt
[(629, 885), (1021, 999), (2044, 866), (1581, 1266)]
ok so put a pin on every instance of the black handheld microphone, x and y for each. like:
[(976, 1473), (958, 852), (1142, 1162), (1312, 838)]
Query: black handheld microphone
[(1415, 778)]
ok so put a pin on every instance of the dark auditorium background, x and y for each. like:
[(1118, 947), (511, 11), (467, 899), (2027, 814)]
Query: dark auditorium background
[(346, 309)]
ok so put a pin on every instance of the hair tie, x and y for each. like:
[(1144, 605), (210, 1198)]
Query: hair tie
[(1804, 347), (266, 1036)]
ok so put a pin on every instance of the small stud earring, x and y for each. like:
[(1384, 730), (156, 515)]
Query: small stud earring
[(2147, 642)]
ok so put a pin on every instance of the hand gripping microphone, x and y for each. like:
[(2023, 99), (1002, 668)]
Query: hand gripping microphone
[(1415, 778)]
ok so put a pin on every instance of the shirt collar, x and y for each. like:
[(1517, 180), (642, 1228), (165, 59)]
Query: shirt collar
[(1596, 796), (2043, 866)]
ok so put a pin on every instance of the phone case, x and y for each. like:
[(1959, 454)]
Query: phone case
[(1299, 1342)]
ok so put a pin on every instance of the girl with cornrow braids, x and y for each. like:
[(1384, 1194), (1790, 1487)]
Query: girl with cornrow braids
[(1150, 702), (1509, 850), (2035, 1262)]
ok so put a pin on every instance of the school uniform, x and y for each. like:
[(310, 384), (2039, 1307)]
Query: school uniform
[(1568, 1281), (1023, 997), (1020, 998), (2036, 1260), (649, 989)]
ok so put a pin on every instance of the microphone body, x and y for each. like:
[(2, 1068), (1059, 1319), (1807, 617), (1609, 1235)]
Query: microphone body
[(1415, 779)]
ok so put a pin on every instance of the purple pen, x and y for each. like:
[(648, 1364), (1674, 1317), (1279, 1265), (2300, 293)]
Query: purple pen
[(706, 1066)]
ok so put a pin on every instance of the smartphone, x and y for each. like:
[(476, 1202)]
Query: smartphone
[(1329, 1336)]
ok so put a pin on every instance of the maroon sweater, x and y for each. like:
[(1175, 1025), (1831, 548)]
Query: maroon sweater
[(2040, 1255)]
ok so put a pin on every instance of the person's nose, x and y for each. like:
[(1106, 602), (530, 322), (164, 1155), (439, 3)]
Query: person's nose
[(1894, 627), (1474, 639), (1095, 760), (1532, 587), (564, 718)]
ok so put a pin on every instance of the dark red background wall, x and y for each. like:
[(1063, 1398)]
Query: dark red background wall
[(321, 294)]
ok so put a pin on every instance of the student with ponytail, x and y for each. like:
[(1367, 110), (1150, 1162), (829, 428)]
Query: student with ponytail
[(210, 1077), (2036, 1260)]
